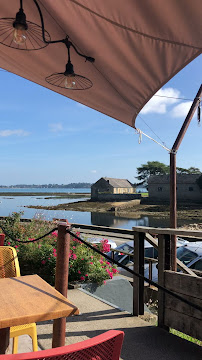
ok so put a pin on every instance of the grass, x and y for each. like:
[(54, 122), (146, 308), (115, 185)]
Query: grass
[(144, 194), (186, 337)]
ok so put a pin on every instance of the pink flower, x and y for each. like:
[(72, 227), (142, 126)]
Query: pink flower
[(104, 282), (55, 255), (82, 278), (74, 256), (91, 263), (16, 246), (54, 233), (79, 272), (82, 259), (109, 273), (30, 239), (107, 262), (43, 262), (86, 275), (101, 261), (115, 271), (91, 257), (54, 250), (74, 247), (48, 258), (9, 243)]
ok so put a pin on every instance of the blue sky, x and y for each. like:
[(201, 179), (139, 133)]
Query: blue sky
[(47, 138)]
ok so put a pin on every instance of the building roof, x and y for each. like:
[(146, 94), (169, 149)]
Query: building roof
[(181, 178), (119, 183), (138, 47)]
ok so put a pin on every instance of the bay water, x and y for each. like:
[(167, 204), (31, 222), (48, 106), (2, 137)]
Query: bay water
[(9, 204)]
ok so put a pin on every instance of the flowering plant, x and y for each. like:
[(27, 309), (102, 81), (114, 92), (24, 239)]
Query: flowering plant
[(40, 257)]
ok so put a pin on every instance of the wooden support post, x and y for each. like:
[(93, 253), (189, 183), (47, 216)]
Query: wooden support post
[(164, 263), (138, 284), (2, 239), (173, 209), (4, 340), (173, 199), (61, 280)]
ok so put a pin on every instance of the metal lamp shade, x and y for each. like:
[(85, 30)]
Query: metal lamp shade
[(34, 40), (71, 81)]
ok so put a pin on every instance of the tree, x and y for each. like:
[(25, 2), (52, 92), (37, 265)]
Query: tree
[(151, 168), (158, 168), (191, 170)]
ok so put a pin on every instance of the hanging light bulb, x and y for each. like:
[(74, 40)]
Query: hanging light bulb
[(20, 28), (70, 82), (69, 79), (19, 36)]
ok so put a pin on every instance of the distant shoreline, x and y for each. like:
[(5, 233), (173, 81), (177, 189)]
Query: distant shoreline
[(57, 195)]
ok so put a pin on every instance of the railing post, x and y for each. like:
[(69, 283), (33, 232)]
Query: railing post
[(2, 239), (138, 284), (150, 270), (61, 280), (164, 263)]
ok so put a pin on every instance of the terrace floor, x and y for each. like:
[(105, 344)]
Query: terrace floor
[(142, 341)]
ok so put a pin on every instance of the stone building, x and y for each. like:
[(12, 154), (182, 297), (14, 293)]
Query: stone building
[(187, 188), (112, 189)]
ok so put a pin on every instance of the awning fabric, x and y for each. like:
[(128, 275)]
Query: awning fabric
[(138, 45)]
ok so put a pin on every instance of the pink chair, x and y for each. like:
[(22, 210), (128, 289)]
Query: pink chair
[(106, 346)]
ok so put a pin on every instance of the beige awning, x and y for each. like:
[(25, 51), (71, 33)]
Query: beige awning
[(138, 45)]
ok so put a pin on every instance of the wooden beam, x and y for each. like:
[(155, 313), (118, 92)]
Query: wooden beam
[(164, 264), (169, 231)]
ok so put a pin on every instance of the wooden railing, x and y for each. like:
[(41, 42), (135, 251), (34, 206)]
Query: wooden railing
[(181, 312), (171, 311)]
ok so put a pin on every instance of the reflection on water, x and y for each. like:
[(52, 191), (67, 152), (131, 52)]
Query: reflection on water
[(102, 219), (17, 203)]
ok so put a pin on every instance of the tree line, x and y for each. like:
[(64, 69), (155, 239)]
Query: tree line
[(158, 168)]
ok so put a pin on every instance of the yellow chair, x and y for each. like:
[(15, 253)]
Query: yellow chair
[(9, 267)]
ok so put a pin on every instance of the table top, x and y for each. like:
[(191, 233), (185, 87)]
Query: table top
[(27, 299)]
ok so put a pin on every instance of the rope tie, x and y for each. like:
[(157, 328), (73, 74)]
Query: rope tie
[(28, 241), (140, 132)]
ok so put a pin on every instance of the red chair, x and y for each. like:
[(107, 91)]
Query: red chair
[(106, 346)]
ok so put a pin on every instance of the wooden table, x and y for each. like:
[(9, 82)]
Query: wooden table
[(28, 299)]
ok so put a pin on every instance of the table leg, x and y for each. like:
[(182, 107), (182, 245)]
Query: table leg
[(59, 327), (4, 340)]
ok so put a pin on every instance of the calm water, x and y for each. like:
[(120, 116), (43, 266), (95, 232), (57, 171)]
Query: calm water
[(44, 190), (9, 204)]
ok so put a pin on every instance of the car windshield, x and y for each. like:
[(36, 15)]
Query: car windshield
[(185, 255), (124, 247), (119, 255)]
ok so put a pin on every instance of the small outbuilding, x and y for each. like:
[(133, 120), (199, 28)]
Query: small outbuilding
[(112, 189), (188, 188)]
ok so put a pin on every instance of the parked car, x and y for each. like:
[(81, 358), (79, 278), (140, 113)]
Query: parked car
[(190, 254), (149, 252)]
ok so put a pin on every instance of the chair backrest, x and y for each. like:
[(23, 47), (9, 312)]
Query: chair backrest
[(9, 265), (106, 346)]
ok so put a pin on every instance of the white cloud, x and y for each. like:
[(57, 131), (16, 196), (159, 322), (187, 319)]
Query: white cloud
[(182, 109), (160, 104), (56, 127), (6, 133), (93, 171)]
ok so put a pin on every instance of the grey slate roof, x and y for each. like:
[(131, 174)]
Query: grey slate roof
[(119, 183), (181, 179)]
